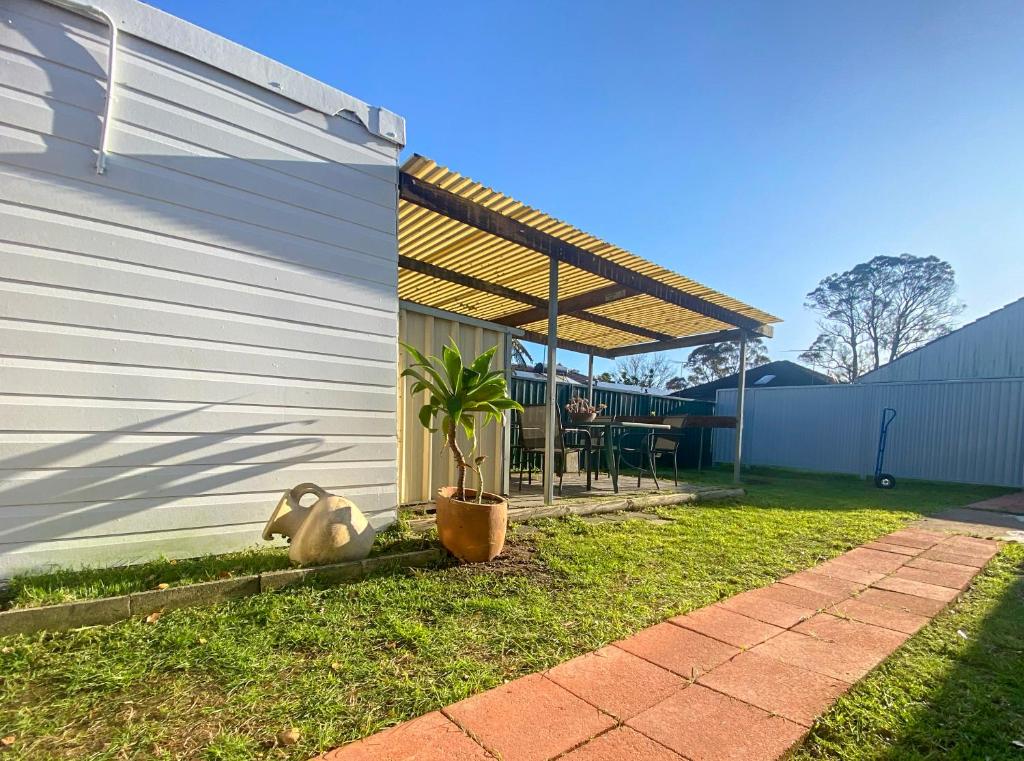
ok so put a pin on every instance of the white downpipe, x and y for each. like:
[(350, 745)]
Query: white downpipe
[(85, 9)]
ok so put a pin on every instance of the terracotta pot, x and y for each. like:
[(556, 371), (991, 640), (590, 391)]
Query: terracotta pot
[(473, 533), (582, 417)]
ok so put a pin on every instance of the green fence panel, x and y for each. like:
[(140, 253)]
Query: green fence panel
[(529, 392)]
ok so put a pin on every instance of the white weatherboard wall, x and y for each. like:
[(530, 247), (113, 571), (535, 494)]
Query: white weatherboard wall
[(970, 431), (212, 321)]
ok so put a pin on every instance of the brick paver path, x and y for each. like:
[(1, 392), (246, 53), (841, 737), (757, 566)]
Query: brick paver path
[(740, 680)]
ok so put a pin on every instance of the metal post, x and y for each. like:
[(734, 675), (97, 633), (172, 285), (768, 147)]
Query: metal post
[(551, 428), (590, 377), (741, 393)]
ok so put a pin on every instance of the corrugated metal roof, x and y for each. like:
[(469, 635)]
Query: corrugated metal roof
[(439, 240)]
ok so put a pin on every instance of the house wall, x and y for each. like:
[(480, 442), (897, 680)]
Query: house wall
[(207, 324), (425, 465), (967, 431)]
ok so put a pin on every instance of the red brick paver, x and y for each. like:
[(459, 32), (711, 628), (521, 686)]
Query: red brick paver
[(427, 738), (616, 681), (622, 744), (727, 626), (705, 725), (789, 691), (766, 664), (680, 650)]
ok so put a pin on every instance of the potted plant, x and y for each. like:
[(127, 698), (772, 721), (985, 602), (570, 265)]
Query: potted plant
[(580, 410), (470, 522)]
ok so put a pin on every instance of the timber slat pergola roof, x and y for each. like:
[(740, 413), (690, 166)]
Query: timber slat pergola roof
[(470, 250)]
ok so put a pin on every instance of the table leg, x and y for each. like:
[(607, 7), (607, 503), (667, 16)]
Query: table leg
[(609, 453)]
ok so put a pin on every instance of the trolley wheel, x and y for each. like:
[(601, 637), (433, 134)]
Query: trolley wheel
[(885, 481)]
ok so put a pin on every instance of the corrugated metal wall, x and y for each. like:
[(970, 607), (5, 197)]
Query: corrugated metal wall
[(990, 347), (207, 324), (967, 431), (425, 464)]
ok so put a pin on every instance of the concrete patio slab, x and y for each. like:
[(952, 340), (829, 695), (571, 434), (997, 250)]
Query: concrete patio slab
[(898, 549), (923, 606), (832, 587), (936, 573)]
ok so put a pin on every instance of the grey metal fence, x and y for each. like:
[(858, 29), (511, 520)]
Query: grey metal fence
[(969, 431)]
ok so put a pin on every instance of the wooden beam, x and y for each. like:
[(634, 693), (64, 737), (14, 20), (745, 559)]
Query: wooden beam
[(572, 304), (701, 339), (541, 305), (456, 207)]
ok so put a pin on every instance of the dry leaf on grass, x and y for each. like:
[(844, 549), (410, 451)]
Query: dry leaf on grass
[(153, 617), (8, 741), (336, 666), (163, 585), (288, 736), (224, 575)]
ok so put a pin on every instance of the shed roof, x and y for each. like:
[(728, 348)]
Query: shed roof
[(469, 249), (771, 374)]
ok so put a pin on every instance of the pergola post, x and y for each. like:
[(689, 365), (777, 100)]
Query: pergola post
[(551, 427), (741, 395), (590, 377)]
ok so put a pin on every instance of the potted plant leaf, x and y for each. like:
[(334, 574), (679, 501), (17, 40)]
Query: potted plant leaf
[(470, 522)]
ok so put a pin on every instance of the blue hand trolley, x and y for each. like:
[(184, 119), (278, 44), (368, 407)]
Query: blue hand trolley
[(884, 480)]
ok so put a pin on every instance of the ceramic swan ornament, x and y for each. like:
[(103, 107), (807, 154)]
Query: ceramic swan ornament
[(332, 530)]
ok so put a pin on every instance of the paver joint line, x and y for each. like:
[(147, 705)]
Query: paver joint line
[(740, 680)]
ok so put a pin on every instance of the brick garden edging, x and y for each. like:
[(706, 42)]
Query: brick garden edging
[(744, 678), (109, 610), (641, 502)]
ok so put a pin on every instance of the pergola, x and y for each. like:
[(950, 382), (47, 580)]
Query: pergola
[(470, 250)]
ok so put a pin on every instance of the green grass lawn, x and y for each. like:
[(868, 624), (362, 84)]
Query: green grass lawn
[(341, 662)]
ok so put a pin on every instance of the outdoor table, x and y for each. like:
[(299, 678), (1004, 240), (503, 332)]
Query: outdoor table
[(613, 428)]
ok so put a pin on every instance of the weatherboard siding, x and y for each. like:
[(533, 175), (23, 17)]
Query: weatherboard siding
[(210, 322)]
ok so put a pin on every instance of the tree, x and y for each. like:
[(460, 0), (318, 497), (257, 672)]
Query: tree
[(714, 361), (644, 370), (605, 377), (880, 310)]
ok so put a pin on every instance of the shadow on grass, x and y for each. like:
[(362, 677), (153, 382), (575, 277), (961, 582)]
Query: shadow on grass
[(955, 691)]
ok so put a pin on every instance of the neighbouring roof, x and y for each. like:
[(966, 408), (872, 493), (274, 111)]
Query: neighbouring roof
[(470, 253), (779, 373), (990, 347)]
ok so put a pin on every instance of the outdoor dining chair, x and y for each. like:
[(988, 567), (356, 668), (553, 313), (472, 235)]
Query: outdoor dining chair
[(531, 443)]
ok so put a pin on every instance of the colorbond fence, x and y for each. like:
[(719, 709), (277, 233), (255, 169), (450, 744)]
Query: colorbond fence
[(969, 431), (530, 392)]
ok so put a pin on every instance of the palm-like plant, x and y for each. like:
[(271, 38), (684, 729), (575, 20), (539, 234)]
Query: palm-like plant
[(457, 395)]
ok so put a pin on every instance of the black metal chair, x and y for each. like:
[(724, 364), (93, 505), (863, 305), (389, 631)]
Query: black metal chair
[(669, 443), (532, 422)]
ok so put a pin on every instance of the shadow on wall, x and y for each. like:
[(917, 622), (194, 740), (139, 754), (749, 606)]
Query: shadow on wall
[(243, 285)]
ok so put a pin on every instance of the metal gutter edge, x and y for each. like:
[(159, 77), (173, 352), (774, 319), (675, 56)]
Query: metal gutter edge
[(153, 25)]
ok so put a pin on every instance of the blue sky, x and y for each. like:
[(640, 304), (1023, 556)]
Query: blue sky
[(755, 147)]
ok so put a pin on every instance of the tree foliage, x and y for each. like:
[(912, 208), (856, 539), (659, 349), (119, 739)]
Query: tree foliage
[(644, 370), (880, 310), (714, 361)]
